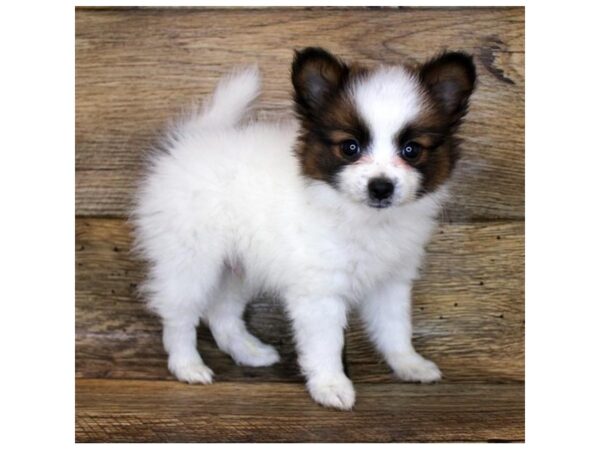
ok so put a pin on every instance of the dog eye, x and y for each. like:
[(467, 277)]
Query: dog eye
[(350, 148), (411, 151)]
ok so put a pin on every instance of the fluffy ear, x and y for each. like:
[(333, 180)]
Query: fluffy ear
[(451, 79), (316, 76)]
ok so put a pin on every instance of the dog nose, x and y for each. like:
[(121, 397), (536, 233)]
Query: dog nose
[(380, 189)]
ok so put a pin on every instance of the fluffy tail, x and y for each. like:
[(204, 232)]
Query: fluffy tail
[(231, 99)]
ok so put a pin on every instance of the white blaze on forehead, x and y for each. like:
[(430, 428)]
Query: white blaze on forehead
[(387, 100)]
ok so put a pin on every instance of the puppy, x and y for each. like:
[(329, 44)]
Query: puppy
[(329, 211)]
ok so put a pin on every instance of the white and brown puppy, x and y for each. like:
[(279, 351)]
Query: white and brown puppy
[(330, 211)]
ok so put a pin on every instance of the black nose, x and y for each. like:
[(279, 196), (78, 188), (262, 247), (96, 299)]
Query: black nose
[(380, 189)]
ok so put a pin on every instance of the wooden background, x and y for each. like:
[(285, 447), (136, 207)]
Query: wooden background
[(136, 69)]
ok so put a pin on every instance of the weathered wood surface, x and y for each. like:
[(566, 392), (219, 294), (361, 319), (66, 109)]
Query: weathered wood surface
[(469, 311), (151, 411), (137, 68)]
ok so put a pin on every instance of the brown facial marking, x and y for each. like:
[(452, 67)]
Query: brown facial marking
[(339, 135), (319, 148), (327, 114), (432, 131), (448, 81)]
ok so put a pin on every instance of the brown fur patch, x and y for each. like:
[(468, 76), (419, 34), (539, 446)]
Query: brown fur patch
[(432, 130), (448, 81), (328, 115), (325, 127), (318, 148)]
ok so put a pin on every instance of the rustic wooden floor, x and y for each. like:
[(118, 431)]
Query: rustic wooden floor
[(135, 69)]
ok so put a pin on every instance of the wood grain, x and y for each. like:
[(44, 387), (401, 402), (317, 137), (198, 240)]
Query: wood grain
[(137, 68), (468, 312), (150, 411)]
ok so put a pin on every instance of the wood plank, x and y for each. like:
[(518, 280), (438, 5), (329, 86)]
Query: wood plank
[(146, 411), (468, 312), (137, 68)]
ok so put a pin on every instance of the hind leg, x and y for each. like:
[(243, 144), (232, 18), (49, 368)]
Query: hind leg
[(224, 316), (179, 338), (180, 298)]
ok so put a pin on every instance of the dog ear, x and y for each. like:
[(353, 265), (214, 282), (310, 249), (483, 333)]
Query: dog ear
[(316, 75), (450, 78)]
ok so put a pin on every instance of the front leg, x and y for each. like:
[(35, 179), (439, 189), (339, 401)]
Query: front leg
[(387, 317), (318, 325)]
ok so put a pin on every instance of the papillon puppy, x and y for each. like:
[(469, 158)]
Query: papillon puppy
[(329, 211)]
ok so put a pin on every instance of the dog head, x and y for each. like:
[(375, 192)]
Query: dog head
[(385, 136)]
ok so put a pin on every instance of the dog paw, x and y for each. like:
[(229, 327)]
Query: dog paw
[(413, 367), (335, 392), (192, 372), (256, 354)]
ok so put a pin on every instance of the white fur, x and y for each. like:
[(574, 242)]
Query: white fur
[(224, 213), (389, 101)]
